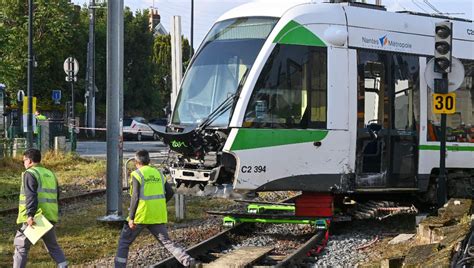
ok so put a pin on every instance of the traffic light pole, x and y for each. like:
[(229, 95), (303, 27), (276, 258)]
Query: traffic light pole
[(29, 116), (442, 64), (442, 192)]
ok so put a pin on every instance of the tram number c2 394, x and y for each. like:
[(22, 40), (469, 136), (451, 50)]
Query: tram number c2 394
[(253, 169), (444, 103)]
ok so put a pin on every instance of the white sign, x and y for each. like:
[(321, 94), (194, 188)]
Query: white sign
[(20, 95), (71, 64), (455, 77)]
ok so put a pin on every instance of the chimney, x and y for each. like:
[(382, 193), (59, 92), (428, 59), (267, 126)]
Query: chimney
[(154, 18)]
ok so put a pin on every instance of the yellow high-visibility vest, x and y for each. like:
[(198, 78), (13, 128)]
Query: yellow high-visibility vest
[(47, 194), (152, 201)]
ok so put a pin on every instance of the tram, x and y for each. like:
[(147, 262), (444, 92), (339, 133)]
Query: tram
[(320, 97)]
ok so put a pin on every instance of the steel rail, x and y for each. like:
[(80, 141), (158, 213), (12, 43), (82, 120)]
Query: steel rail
[(301, 252), (64, 200), (203, 247)]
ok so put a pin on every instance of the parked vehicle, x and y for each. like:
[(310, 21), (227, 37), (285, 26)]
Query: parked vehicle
[(137, 128), (159, 121)]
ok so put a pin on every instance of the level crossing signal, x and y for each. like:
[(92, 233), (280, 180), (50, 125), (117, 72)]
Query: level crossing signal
[(443, 46)]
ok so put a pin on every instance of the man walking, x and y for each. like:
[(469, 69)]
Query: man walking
[(38, 193), (149, 192)]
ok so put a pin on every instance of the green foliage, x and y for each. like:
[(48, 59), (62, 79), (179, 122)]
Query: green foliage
[(55, 34), (162, 59), (60, 31)]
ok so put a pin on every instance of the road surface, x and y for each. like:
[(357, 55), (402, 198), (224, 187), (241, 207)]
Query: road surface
[(98, 149)]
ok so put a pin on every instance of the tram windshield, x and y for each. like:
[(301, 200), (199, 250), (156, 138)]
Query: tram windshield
[(223, 60)]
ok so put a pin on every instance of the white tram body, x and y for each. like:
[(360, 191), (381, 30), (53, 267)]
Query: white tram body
[(333, 97)]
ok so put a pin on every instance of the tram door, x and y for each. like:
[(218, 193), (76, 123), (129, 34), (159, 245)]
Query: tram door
[(388, 112)]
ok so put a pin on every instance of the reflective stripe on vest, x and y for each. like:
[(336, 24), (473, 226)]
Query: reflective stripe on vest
[(46, 194), (151, 207)]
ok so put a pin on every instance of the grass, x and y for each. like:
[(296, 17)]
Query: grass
[(73, 173), (83, 239)]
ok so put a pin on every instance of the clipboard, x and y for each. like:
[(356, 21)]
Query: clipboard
[(40, 228)]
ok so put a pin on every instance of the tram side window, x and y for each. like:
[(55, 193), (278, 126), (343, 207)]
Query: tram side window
[(407, 96), (460, 125), (291, 91)]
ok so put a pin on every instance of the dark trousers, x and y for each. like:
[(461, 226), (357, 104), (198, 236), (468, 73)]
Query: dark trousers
[(161, 234), (22, 247)]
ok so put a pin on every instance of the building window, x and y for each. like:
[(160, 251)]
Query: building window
[(291, 91), (460, 125)]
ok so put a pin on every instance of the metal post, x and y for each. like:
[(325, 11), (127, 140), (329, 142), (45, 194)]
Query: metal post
[(91, 70), (176, 58), (180, 207), (73, 116), (29, 121), (442, 192), (114, 110), (176, 73), (191, 49)]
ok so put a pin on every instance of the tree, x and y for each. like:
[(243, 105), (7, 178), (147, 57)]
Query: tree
[(162, 60), (55, 33)]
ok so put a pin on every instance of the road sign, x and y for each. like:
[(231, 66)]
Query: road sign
[(455, 77), (56, 96), (444, 103), (69, 79), (20, 95), (71, 64)]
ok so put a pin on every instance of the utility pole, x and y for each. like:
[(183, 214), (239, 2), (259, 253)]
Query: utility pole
[(177, 74), (191, 50), (176, 59), (114, 110), (91, 70), (29, 120)]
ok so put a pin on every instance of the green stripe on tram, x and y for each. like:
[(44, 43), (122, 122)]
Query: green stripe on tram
[(296, 34), (251, 138), (449, 148)]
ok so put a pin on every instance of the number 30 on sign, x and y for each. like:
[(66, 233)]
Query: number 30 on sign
[(444, 103)]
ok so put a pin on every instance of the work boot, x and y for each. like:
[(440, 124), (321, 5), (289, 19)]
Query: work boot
[(193, 263)]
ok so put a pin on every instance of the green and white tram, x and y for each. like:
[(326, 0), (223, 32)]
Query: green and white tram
[(320, 97)]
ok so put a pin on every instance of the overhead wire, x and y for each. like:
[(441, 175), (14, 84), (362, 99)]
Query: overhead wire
[(427, 2), (419, 6)]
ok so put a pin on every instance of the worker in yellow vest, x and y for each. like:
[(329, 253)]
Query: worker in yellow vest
[(149, 193), (38, 194), (39, 117)]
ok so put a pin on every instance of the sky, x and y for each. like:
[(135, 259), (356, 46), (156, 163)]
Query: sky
[(207, 11)]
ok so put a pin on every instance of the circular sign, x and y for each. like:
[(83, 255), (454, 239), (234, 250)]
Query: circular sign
[(455, 77), (71, 64)]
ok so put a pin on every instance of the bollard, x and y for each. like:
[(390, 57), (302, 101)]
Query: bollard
[(44, 136), (59, 144), (180, 206)]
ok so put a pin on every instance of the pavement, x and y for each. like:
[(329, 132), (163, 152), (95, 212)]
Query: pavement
[(98, 149)]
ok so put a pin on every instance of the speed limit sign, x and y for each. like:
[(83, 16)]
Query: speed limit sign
[(444, 103)]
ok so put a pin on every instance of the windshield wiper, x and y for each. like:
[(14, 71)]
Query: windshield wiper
[(228, 103)]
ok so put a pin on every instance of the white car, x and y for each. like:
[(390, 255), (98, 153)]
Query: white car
[(138, 129)]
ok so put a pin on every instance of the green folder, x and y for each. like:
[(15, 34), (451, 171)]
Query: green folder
[(40, 228)]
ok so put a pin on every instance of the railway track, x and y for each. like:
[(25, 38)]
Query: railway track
[(64, 200), (221, 250), (240, 246)]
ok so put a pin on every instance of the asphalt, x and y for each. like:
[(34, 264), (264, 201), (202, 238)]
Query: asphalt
[(98, 149)]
